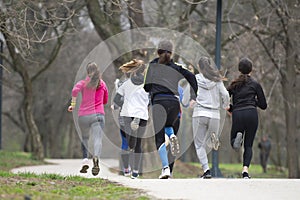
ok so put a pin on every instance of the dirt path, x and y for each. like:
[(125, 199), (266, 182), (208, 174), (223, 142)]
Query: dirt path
[(221, 188)]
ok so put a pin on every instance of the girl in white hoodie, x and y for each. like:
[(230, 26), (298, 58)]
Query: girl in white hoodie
[(211, 96)]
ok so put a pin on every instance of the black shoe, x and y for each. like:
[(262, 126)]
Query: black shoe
[(206, 175), (246, 175), (84, 169), (96, 168)]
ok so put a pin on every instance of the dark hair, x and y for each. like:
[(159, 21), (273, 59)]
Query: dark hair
[(208, 70), (94, 74), (239, 82), (245, 67), (164, 51)]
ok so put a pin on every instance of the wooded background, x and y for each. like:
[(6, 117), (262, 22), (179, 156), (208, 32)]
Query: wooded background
[(45, 43)]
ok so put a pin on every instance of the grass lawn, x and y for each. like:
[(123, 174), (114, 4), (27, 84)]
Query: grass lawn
[(51, 186)]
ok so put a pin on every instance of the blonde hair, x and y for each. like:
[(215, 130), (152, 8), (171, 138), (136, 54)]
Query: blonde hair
[(133, 67)]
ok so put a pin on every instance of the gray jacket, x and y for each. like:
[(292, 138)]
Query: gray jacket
[(211, 96)]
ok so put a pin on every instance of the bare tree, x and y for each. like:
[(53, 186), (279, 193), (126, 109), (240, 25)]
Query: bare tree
[(274, 25), (27, 26)]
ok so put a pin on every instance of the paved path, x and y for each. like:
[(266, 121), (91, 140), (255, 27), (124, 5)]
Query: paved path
[(219, 188)]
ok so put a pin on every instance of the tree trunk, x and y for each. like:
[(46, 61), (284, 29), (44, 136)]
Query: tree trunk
[(289, 94), (34, 136)]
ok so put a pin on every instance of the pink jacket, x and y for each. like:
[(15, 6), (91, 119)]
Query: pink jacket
[(93, 101)]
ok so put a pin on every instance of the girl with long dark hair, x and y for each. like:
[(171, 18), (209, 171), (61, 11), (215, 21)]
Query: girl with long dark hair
[(247, 94)]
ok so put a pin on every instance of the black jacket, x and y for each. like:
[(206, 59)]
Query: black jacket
[(162, 80), (250, 95)]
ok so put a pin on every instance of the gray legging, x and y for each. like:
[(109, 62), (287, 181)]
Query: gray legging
[(92, 125), (202, 129)]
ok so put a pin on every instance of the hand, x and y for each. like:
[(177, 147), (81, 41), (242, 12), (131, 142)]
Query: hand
[(229, 113), (192, 103), (70, 108)]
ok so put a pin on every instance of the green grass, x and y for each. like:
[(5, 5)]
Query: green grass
[(53, 186), (11, 160)]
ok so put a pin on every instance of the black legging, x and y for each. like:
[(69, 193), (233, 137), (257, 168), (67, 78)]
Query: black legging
[(246, 122), (165, 114), (137, 146)]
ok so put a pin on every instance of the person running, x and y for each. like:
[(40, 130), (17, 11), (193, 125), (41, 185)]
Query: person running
[(265, 147), (134, 101), (212, 95), (161, 82), (247, 94), (171, 157), (125, 154), (91, 113)]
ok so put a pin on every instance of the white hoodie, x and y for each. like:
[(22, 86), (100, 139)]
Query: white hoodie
[(210, 97)]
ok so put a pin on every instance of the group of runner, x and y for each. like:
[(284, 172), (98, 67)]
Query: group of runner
[(156, 87)]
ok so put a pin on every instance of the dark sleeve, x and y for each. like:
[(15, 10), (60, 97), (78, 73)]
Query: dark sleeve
[(261, 99), (119, 100), (147, 80), (190, 77)]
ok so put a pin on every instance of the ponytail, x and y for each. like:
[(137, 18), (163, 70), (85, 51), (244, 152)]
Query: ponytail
[(94, 74), (239, 82), (164, 58)]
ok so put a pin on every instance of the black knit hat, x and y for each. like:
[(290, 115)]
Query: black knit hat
[(245, 66), (165, 45)]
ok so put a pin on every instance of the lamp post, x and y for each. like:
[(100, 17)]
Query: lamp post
[(215, 156), (1, 75)]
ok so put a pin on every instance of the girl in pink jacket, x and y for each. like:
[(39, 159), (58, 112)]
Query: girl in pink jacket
[(91, 114)]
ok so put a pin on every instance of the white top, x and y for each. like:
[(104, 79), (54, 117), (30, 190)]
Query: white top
[(136, 100)]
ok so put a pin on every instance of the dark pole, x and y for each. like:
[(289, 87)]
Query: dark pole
[(1, 75), (215, 156)]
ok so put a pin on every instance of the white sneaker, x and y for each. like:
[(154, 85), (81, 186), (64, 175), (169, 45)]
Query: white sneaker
[(215, 141), (135, 124), (175, 148), (165, 173), (238, 141), (127, 171)]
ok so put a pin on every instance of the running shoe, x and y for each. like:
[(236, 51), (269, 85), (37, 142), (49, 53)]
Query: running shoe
[(96, 168), (165, 173), (135, 174), (127, 171), (206, 175), (135, 124), (175, 149), (215, 141), (85, 165), (246, 175), (238, 141)]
